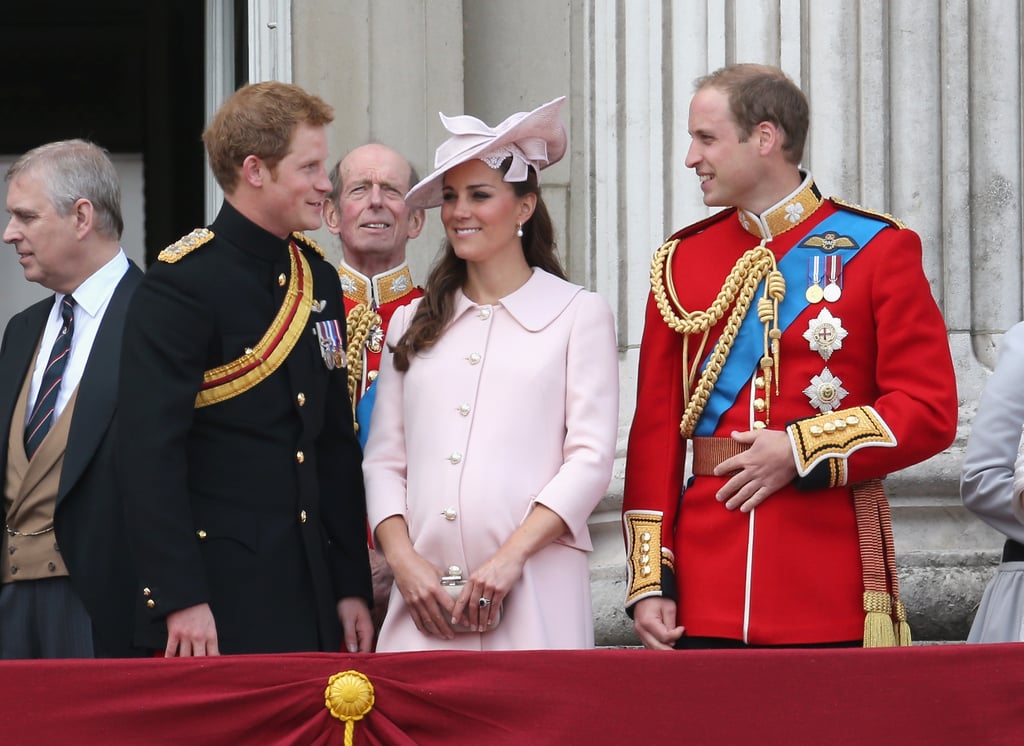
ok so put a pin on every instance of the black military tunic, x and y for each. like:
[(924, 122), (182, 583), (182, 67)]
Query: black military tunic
[(255, 504)]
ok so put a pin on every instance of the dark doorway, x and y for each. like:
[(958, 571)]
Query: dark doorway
[(125, 74)]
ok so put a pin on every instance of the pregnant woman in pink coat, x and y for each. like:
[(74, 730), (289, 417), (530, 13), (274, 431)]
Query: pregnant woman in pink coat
[(493, 433)]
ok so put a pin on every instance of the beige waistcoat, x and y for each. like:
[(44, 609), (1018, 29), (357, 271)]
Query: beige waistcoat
[(30, 497)]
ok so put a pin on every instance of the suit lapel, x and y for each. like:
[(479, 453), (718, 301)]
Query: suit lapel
[(97, 391), (21, 340)]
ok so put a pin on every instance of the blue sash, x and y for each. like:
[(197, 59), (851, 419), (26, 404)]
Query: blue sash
[(748, 347)]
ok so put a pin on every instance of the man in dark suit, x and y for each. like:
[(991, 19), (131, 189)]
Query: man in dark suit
[(67, 576), (241, 469)]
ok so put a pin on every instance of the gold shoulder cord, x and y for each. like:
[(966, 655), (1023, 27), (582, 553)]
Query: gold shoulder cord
[(358, 325), (738, 292)]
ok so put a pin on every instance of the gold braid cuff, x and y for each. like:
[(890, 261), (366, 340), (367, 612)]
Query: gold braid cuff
[(835, 435), (358, 325), (644, 555), (737, 294), (256, 365)]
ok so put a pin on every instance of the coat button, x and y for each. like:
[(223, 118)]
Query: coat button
[(301, 399), (372, 376), (474, 358), (449, 515), (302, 516), (464, 409), (455, 458), (300, 456), (485, 313), (759, 404), (454, 570), (147, 592), (151, 604), (201, 534), (281, 279)]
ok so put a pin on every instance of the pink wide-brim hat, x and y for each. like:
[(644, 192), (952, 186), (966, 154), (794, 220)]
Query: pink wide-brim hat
[(531, 138)]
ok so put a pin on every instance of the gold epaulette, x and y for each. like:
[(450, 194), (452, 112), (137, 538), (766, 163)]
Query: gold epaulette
[(308, 242), (883, 216), (700, 225), (185, 245), (834, 436)]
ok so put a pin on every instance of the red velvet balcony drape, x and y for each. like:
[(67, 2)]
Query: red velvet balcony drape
[(925, 695)]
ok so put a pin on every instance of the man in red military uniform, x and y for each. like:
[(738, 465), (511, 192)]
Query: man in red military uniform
[(794, 342), (366, 209)]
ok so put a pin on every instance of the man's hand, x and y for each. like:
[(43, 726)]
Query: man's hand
[(191, 632), (654, 620), (356, 624), (383, 579), (761, 471)]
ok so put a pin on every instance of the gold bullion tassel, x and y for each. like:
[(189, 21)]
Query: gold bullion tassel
[(878, 629), (349, 697)]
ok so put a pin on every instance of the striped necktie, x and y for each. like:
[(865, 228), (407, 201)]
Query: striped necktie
[(42, 415)]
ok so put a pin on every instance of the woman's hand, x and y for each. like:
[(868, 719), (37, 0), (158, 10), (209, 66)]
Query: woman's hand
[(491, 581)]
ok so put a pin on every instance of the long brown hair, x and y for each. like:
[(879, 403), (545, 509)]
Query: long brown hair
[(449, 274)]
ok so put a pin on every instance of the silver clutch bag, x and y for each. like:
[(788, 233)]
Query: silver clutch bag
[(454, 584)]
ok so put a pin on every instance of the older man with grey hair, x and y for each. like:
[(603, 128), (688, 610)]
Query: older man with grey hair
[(66, 576)]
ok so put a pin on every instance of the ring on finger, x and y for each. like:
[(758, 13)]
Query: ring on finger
[(483, 603)]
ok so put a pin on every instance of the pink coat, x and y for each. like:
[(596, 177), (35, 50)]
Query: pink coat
[(516, 403)]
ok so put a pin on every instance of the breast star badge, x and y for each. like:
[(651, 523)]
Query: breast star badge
[(825, 334), (826, 392)]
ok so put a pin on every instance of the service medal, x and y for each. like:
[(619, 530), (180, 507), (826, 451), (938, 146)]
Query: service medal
[(330, 337)]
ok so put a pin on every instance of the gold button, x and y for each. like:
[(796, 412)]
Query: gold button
[(449, 514), (248, 350), (146, 592), (645, 536), (816, 430), (645, 570), (645, 547), (151, 604), (852, 420), (371, 376), (840, 424), (455, 458), (829, 427), (759, 425), (302, 517), (759, 405), (474, 358), (300, 456), (301, 399), (759, 382), (201, 534), (281, 279), (645, 559)]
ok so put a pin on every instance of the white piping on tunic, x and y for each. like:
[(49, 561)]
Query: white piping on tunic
[(750, 569)]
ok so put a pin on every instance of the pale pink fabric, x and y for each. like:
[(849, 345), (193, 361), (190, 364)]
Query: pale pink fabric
[(532, 418)]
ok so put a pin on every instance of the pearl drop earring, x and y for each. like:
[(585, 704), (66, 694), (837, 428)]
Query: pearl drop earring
[(519, 229)]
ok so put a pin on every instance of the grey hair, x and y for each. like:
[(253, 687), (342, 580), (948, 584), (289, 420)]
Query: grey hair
[(72, 170), (335, 173)]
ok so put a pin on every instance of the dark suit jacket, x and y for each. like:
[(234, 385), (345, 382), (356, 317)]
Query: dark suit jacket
[(254, 504), (89, 519)]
